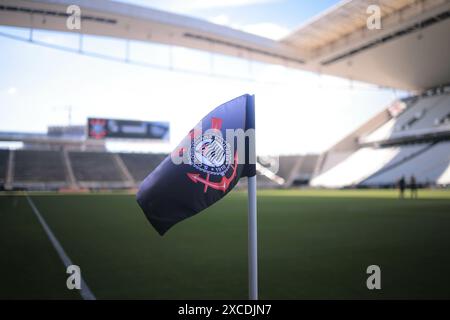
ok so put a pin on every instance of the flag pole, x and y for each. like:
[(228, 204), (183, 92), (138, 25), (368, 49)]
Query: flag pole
[(252, 217), (252, 240)]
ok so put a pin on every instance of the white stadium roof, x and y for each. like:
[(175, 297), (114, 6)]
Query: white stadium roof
[(340, 21), (411, 51)]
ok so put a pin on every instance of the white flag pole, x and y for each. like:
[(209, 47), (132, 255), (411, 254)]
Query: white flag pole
[(252, 240), (252, 218)]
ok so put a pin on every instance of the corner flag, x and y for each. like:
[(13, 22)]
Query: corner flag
[(204, 167)]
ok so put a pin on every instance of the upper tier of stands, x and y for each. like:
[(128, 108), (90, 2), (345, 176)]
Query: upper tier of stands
[(424, 115), (42, 166)]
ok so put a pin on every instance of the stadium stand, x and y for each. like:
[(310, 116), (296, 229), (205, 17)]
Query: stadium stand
[(286, 165), (303, 173), (141, 164), (290, 169), (39, 166), (363, 163), (445, 177), (262, 181), (412, 142), (3, 165), (330, 159), (56, 169), (426, 112), (94, 167), (297, 170), (423, 115), (427, 167), (355, 168), (265, 182), (309, 163)]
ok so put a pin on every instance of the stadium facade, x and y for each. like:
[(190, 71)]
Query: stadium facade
[(410, 51)]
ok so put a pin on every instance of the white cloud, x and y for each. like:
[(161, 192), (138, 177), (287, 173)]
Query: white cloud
[(12, 90)]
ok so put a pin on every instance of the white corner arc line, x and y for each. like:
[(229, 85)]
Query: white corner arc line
[(85, 292)]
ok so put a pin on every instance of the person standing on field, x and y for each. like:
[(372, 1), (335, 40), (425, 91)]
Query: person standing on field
[(401, 187), (413, 186)]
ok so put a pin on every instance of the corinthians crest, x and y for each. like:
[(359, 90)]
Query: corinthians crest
[(211, 155)]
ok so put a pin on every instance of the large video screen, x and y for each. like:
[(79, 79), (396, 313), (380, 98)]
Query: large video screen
[(101, 128)]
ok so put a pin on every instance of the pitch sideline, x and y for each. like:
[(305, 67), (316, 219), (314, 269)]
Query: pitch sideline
[(85, 292)]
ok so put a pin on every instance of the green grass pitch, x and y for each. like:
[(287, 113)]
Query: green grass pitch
[(312, 244)]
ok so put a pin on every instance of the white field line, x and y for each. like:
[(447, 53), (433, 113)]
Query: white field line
[(85, 292)]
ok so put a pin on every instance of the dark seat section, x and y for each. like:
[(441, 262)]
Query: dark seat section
[(141, 164), (38, 166), (94, 166), (4, 154)]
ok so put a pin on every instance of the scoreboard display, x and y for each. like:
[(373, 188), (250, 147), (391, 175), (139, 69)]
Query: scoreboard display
[(101, 128)]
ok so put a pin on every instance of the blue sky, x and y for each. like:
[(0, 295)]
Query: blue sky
[(297, 112), (263, 17)]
